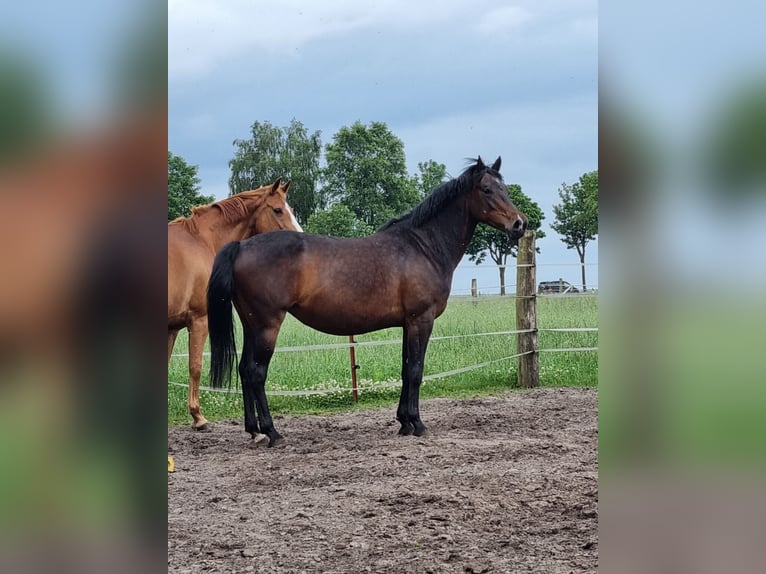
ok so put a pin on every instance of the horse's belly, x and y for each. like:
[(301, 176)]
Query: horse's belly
[(346, 320)]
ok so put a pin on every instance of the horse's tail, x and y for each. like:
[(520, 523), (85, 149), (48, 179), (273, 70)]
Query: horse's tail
[(219, 316)]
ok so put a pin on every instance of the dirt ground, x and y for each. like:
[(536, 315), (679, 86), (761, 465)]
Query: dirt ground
[(502, 484)]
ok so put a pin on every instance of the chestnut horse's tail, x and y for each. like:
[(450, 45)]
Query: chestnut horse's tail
[(219, 316)]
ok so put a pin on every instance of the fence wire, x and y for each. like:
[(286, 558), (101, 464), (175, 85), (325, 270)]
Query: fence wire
[(374, 386)]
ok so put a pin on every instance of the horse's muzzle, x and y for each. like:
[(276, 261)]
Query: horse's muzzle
[(518, 227)]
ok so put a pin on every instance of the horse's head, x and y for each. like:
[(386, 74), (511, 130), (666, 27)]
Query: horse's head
[(272, 212), (490, 203)]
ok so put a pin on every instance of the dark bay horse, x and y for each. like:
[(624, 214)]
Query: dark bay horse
[(192, 245), (398, 277)]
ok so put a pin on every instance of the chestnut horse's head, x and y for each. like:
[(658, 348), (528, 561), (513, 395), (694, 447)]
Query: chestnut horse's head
[(270, 211), (490, 203)]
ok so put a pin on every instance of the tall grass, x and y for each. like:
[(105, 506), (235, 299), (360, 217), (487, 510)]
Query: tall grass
[(464, 317)]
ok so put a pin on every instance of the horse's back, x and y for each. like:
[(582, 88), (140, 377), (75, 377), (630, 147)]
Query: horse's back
[(313, 262)]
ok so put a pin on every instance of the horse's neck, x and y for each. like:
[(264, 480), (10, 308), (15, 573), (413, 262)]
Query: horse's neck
[(450, 231), (217, 232)]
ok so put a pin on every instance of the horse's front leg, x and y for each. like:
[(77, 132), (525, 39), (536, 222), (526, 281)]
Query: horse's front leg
[(402, 414), (416, 335)]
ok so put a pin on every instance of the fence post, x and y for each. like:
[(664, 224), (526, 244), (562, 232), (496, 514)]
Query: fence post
[(474, 288), (526, 312), (354, 367)]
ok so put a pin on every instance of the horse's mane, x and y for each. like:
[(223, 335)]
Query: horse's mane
[(233, 209), (442, 195)]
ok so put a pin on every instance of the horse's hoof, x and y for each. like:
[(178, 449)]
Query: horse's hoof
[(406, 430), (204, 427), (258, 441), (422, 431), (277, 442)]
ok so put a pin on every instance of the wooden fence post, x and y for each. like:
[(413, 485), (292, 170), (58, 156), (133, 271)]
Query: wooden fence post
[(526, 312), (354, 367), (474, 288)]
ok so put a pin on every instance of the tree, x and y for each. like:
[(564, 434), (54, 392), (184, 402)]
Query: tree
[(734, 153), (577, 215), (431, 176), (497, 244), (366, 171), (272, 152), (338, 221), (183, 188), (26, 111), (139, 68)]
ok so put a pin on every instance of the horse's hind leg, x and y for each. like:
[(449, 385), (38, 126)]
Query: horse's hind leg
[(197, 338), (254, 375), (172, 334), (246, 375)]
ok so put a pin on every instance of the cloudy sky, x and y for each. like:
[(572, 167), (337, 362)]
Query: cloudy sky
[(452, 79)]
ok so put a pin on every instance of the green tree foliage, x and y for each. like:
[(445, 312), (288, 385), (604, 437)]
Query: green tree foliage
[(734, 154), (338, 221), (366, 171), (183, 188), (497, 244), (431, 175), (139, 71), (26, 112), (272, 152), (577, 215)]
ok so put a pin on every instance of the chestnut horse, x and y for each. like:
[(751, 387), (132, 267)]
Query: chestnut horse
[(398, 277), (192, 245)]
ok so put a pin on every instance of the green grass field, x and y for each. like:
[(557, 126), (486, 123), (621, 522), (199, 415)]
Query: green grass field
[(464, 318)]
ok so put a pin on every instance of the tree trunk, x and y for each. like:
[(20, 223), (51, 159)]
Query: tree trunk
[(502, 279), (582, 267)]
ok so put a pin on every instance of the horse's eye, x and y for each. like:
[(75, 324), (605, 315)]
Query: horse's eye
[(278, 210), (486, 189)]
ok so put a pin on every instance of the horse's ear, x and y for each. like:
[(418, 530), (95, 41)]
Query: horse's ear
[(479, 163), (275, 186), (286, 186), (496, 165)]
